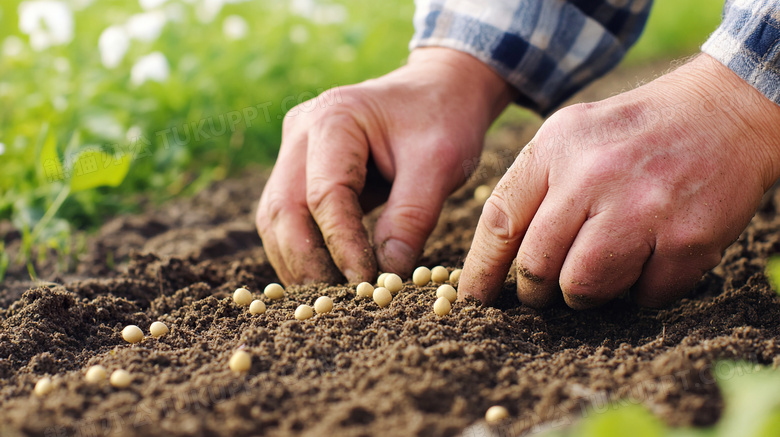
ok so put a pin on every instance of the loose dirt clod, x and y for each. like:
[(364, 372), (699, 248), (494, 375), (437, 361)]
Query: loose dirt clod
[(120, 378), (132, 334), (394, 283), (43, 387), (96, 374), (304, 312), (496, 414), (323, 305), (380, 281), (240, 362), (442, 306), (448, 292), (364, 289), (439, 275), (382, 296), (242, 296), (455, 277), (274, 291), (421, 276), (257, 307), (158, 329)]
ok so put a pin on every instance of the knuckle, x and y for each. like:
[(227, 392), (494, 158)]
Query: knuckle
[(497, 218), (417, 220)]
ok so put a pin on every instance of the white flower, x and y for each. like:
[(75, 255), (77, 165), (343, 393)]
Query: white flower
[(13, 46), (299, 34), (146, 26), (153, 66), (235, 27), (113, 44), (151, 4), (133, 133), (329, 14), (2, 148), (47, 22)]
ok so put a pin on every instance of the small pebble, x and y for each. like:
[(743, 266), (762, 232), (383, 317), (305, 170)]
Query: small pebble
[(382, 296), (274, 291), (482, 193), (241, 361), (421, 276), (132, 334), (364, 289), (242, 296), (96, 374), (380, 281), (496, 414), (120, 378), (439, 275), (158, 329), (455, 277), (43, 387), (257, 307), (442, 306), (447, 291), (394, 283), (323, 305), (304, 312)]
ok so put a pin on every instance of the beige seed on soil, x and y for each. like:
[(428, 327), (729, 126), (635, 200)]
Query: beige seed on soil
[(394, 283), (482, 193), (442, 306), (439, 275), (257, 307), (380, 281), (120, 378), (496, 414), (304, 312), (96, 374), (421, 276), (132, 334), (382, 296), (364, 289), (274, 291), (447, 291), (241, 361), (323, 305), (43, 387), (158, 329), (455, 277), (242, 296)]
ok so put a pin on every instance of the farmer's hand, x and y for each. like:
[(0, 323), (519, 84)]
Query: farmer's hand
[(640, 192), (414, 127)]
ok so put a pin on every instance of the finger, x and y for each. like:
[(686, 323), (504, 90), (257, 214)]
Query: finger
[(502, 225), (666, 279), (335, 175), (605, 260), (544, 249)]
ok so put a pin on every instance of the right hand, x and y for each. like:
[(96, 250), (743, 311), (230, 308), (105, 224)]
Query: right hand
[(414, 127)]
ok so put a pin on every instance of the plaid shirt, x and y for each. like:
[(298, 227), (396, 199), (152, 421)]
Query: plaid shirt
[(549, 49)]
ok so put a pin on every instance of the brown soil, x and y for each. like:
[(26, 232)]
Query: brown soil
[(361, 370)]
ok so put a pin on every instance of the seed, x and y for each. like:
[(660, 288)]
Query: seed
[(447, 291), (43, 387), (364, 289), (421, 276), (158, 329), (482, 193), (442, 306), (382, 296), (380, 281), (242, 296), (120, 378), (323, 305), (96, 374), (496, 414), (439, 275), (241, 361), (455, 277), (274, 291), (304, 312), (132, 334), (257, 307), (394, 283)]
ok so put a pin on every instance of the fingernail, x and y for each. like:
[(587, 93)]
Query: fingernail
[(397, 256)]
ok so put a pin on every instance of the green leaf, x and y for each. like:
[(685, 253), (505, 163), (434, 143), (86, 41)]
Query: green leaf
[(752, 398), (95, 168), (773, 273), (632, 420), (51, 166)]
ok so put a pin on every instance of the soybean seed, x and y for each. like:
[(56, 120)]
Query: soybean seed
[(257, 307), (421, 276), (158, 329), (132, 334), (241, 361), (242, 296), (442, 306), (304, 312), (439, 275), (455, 277), (447, 291), (43, 387), (496, 414), (96, 374), (394, 283), (382, 296), (364, 289), (274, 291), (120, 378), (380, 281), (482, 193), (323, 305)]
